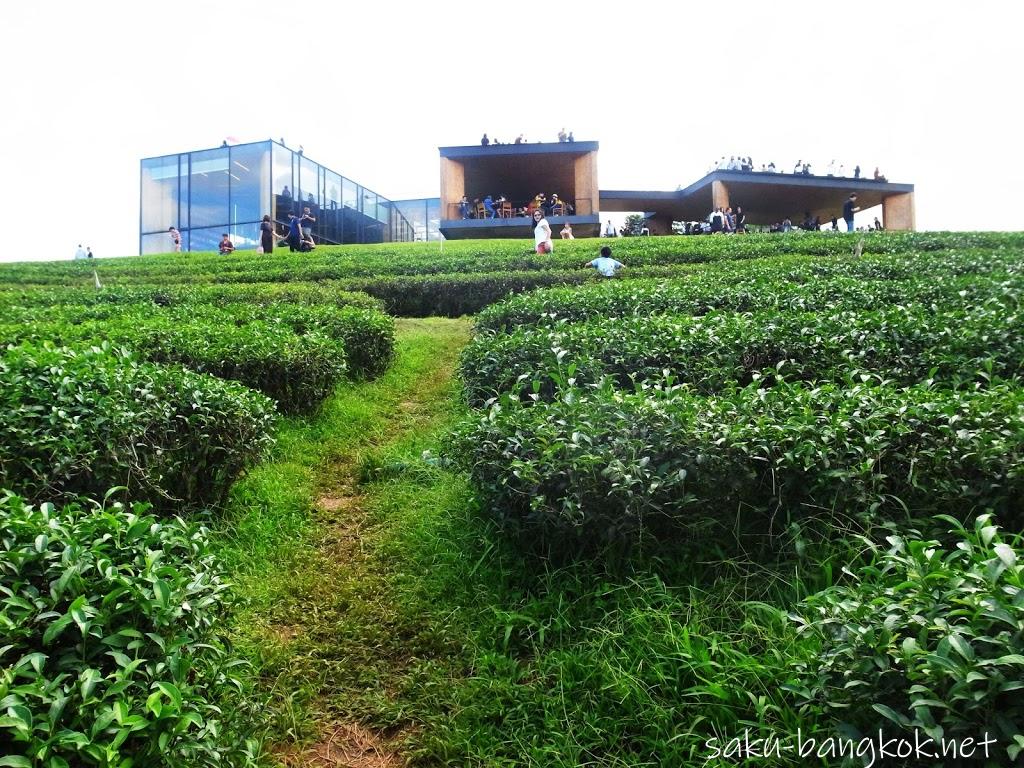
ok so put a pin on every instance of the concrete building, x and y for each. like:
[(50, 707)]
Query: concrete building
[(520, 171)]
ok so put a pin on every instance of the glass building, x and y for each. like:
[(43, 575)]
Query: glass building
[(424, 214), (229, 189)]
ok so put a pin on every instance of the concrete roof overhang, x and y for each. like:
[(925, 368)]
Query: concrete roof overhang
[(765, 197)]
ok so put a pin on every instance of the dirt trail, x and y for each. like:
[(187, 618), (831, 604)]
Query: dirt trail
[(415, 403)]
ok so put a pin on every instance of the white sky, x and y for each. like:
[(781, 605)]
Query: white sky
[(930, 92)]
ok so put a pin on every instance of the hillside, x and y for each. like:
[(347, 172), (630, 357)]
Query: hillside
[(417, 504)]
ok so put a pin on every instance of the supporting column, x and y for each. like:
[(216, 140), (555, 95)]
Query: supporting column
[(898, 212), (719, 195), (585, 181), (453, 187)]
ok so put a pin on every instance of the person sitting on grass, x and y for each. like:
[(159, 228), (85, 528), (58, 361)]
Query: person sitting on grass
[(605, 264), (226, 246)]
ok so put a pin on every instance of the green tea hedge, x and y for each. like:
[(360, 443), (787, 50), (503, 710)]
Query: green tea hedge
[(81, 422), (601, 466), (112, 652), (903, 344), (760, 286), (927, 637)]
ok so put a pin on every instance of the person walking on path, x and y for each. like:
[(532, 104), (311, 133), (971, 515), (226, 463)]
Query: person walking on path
[(849, 207)]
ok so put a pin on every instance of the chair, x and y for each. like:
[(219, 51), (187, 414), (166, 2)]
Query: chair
[(505, 211), (557, 209), (481, 211)]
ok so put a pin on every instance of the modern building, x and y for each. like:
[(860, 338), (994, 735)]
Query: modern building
[(229, 189), (767, 198), (520, 171)]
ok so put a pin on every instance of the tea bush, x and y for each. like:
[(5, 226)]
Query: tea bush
[(599, 466), (771, 284), (170, 295), (81, 422), (926, 637), (902, 344), (298, 372), (112, 652)]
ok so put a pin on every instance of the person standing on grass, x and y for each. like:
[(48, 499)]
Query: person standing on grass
[(542, 233), (88, 252), (307, 222), (267, 234), (80, 253), (175, 238), (605, 264), (849, 207), (226, 246), (294, 233)]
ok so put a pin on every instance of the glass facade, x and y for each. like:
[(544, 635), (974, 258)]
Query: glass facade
[(229, 189), (424, 215)]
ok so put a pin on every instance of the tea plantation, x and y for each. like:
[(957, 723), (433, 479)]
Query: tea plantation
[(462, 504)]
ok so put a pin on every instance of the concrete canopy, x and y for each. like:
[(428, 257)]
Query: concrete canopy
[(766, 198)]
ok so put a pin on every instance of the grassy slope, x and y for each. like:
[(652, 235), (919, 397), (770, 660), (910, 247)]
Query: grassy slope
[(378, 596)]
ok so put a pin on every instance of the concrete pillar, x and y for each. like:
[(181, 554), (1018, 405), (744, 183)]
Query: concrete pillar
[(898, 212), (719, 195)]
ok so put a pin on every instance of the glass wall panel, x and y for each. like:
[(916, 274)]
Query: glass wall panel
[(205, 239), (283, 186), (208, 197), (434, 219), (369, 203), (250, 182), (160, 193), (331, 215), (159, 242), (183, 191), (350, 194), (308, 178), (245, 235)]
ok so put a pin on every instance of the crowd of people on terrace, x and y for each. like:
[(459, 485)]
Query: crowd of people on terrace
[(501, 207), (800, 168), (563, 138)]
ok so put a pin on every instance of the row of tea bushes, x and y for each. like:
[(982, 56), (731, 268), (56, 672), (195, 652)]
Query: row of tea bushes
[(306, 294), (76, 423), (749, 287), (294, 354), (297, 372), (598, 467), (112, 652), (901, 344), (411, 259)]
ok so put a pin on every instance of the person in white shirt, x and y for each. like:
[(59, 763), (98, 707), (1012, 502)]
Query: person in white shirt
[(605, 264), (80, 253), (542, 233), (566, 232)]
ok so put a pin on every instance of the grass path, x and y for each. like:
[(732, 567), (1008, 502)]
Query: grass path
[(318, 625)]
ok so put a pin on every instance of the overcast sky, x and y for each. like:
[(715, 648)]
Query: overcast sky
[(927, 91)]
